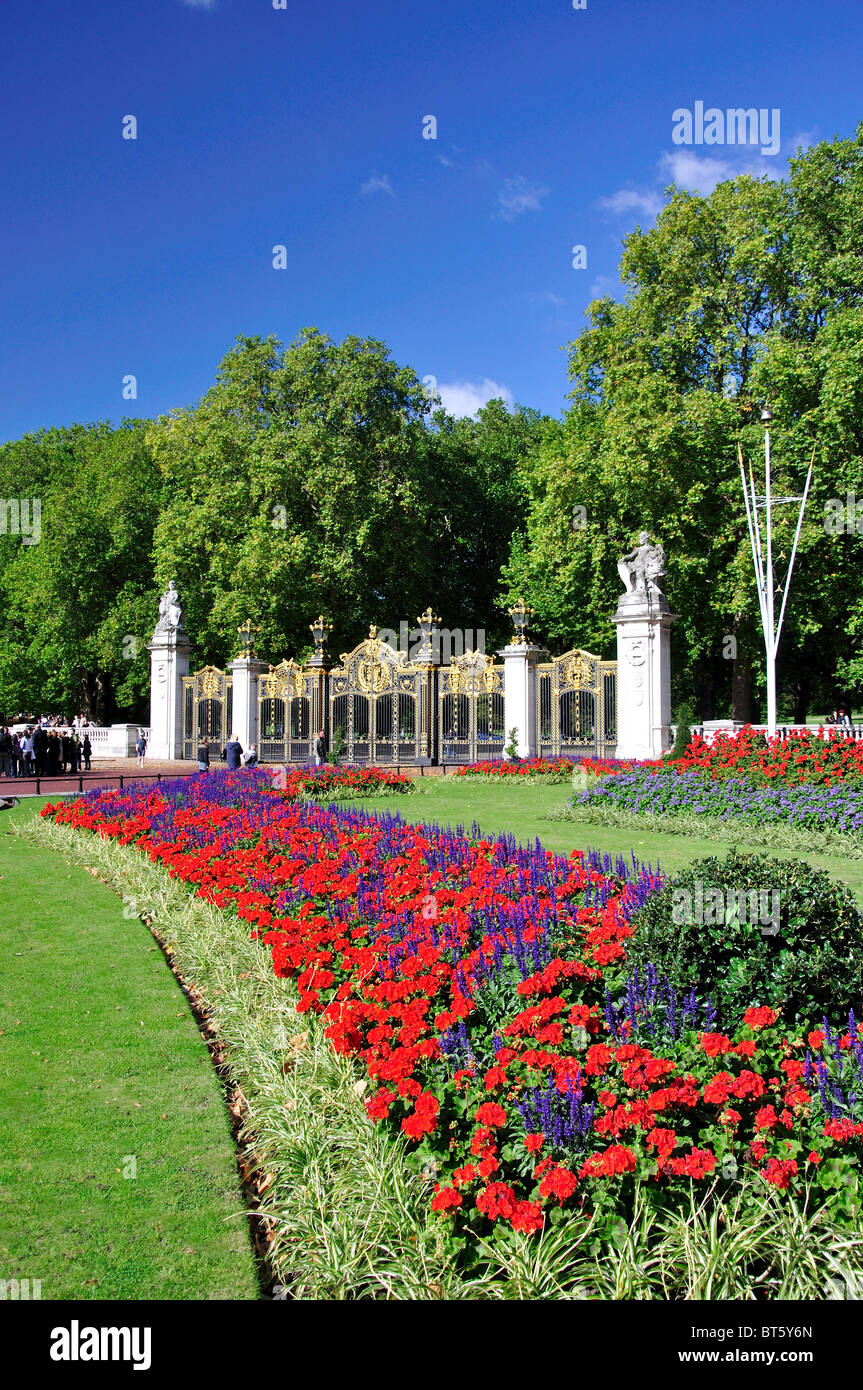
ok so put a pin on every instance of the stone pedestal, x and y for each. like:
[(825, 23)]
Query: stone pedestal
[(643, 677), (169, 663), (519, 694), (246, 672)]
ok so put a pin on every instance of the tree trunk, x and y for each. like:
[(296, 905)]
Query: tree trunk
[(98, 697), (707, 693), (742, 684)]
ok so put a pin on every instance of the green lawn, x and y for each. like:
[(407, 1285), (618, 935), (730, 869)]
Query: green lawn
[(103, 1073), (520, 807)]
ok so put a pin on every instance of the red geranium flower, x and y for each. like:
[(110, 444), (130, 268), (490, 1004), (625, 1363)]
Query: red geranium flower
[(761, 1017), (491, 1114), (445, 1199)]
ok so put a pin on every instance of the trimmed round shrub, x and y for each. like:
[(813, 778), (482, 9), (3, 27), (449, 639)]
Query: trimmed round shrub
[(754, 930)]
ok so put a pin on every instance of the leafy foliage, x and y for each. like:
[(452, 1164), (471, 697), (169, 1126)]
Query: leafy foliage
[(79, 606), (814, 963), (309, 479), (316, 477), (754, 293)]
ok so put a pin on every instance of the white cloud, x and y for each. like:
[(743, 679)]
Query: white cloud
[(377, 184), (803, 140), (200, 4), (518, 196), (604, 285), (465, 397), (701, 174), (695, 172), (632, 200), (544, 297)]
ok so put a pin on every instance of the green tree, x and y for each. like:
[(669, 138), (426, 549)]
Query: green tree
[(79, 605), (308, 479), (752, 294)]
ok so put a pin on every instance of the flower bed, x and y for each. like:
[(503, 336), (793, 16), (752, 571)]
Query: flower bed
[(804, 757), (551, 769), (337, 782), (669, 790), (483, 987)]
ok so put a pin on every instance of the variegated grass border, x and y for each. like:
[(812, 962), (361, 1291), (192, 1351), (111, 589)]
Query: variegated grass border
[(344, 1214)]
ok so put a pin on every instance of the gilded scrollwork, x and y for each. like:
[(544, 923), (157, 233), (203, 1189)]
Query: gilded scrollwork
[(283, 682), (210, 682)]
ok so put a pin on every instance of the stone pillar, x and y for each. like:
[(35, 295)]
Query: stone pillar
[(246, 672), (643, 678), (169, 663), (519, 694)]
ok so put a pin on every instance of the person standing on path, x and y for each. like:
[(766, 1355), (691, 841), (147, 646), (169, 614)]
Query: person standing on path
[(87, 752), (40, 749), (320, 748), (5, 752), (233, 754), (27, 754), (204, 757), (141, 748), (52, 754)]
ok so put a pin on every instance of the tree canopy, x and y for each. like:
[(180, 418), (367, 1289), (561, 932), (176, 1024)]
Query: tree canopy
[(751, 295), (78, 603), (319, 476)]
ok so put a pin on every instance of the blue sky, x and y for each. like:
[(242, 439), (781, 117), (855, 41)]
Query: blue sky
[(303, 127)]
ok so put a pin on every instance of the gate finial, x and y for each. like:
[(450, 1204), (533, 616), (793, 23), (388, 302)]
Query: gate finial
[(428, 651)]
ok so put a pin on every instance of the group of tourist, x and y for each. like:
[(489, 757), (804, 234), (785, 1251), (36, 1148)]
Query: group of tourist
[(840, 717), (43, 752), (232, 754)]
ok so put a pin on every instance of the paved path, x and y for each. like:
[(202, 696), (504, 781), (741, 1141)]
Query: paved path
[(105, 772), (117, 772)]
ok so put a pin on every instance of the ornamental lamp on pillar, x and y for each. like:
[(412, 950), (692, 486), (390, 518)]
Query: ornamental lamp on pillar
[(247, 641), (520, 614), (320, 630)]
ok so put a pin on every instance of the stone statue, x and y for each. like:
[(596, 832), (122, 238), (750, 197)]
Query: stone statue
[(640, 570), (170, 612)]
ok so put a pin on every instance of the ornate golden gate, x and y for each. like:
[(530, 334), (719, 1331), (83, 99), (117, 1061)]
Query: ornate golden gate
[(470, 709), (207, 710), (289, 713), (576, 706), (376, 698)]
